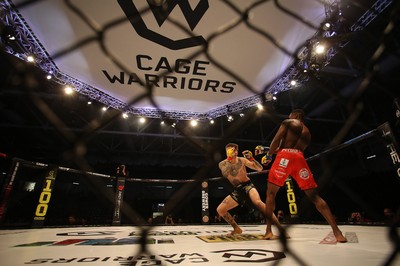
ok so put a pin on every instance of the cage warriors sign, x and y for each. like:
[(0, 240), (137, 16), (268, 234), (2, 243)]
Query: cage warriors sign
[(150, 70), (179, 48), (190, 75)]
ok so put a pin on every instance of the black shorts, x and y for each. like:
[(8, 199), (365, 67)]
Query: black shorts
[(241, 192)]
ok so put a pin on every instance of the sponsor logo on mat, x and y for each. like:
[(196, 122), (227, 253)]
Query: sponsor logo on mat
[(214, 258), (224, 238), (97, 242)]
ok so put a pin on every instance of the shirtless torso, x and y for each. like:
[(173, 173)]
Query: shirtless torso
[(234, 171)]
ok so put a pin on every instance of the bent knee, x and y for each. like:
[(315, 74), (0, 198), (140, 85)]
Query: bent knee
[(221, 210)]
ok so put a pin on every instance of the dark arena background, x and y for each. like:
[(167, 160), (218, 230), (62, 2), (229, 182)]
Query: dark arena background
[(160, 87)]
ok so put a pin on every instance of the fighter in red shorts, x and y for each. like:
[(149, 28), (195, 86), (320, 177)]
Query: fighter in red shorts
[(291, 139)]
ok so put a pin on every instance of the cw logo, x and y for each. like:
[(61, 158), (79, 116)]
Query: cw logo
[(161, 14), (250, 255)]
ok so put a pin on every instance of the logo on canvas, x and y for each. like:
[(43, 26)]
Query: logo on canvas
[(161, 13)]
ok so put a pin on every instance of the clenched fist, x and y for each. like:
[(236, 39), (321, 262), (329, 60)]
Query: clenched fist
[(248, 155), (261, 150)]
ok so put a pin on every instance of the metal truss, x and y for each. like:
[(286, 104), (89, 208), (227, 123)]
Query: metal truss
[(25, 38), (377, 8), (30, 45)]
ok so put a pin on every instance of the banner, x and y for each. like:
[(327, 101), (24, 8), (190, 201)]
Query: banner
[(119, 198), (205, 213), (44, 198), (291, 197), (391, 145)]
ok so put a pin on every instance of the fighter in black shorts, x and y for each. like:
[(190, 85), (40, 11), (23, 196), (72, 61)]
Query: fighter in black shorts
[(234, 169)]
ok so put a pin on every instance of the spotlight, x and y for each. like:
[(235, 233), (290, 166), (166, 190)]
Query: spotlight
[(162, 123), (260, 107), (104, 109), (193, 123), (173, 124), (125, 115), (293, 82), (241, 115), (68, 90), (212, 121), (89, 102), (49, 75), (142, 120), (30, 58), (326, 26), (8, 34), (230, 118), (320, 48)]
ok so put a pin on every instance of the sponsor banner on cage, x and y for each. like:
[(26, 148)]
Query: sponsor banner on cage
[(44, 198), (392, 146), (119, 197), (291, 197), (205, 214)]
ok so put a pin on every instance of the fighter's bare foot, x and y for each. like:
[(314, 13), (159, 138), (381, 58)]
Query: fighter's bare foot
[(270, 236), (236, 231), (340, 238)]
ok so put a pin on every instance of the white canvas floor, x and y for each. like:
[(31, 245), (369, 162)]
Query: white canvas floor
[(181, 245)]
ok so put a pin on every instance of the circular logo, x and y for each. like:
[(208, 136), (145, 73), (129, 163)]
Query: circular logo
[(204, 184), (304, 174), (205, 219)]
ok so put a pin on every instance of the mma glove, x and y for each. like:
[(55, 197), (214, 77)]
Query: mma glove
[(261, 150), (248, 155), (229, 154), (266, 159)]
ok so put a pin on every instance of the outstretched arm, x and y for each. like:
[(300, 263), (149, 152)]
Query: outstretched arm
[(253, 165), (250, 162)]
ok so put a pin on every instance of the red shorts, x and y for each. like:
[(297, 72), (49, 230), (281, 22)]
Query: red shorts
[(291, 162)]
